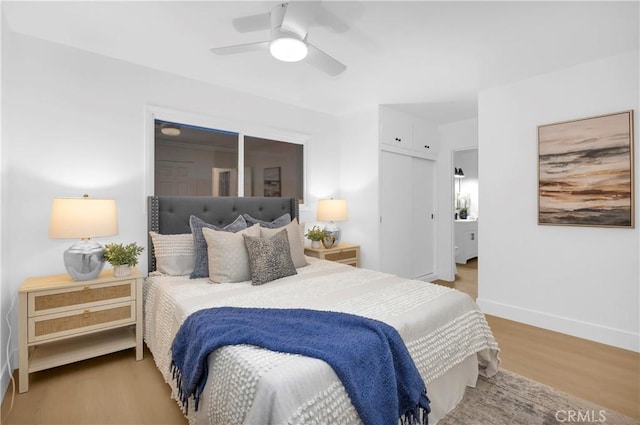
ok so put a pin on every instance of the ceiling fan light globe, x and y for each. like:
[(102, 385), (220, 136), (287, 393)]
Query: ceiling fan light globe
[(288, 49)]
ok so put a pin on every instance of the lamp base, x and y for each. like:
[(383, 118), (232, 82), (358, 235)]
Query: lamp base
[(84, 260), (332, 239)]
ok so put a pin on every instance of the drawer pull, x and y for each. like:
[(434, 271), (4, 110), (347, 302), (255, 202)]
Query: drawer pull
[(86, 289), (86, 314)]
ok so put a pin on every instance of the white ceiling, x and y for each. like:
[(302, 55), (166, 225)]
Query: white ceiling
[(431, 57)]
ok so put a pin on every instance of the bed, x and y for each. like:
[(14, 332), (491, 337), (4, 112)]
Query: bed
[(443, 329)]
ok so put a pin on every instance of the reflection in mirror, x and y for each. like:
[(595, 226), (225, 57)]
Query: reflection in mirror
[(186, 159), (199, 161)]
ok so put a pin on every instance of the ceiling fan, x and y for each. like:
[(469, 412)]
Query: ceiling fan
[(289, 24)]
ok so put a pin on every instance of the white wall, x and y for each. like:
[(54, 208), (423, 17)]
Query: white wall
[(581, 281), (6, 294), (453, 137), (358, 169), (74, 123)]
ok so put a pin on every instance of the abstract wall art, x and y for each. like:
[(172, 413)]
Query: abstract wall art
[(585, 172)]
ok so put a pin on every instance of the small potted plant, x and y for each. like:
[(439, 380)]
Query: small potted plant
[(122, 257), (315, 235)]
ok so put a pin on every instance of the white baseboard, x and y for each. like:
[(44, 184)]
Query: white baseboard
[(591, 331), (429, 277)]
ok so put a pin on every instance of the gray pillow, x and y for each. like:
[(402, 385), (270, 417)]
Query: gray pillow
[(281, 221), (175, 254), (269, 258), (201, 267), (296, 246), (228, 259)]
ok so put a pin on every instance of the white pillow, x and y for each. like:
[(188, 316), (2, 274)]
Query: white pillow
[(227, 254), (175, 254), (295, 243), (301, 233)]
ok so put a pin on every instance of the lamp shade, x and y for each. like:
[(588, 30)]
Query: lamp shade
[(332, 210), (83, 218)]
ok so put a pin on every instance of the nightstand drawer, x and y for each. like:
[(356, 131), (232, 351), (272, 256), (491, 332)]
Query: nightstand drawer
[(346, 254), (73, 322), (47, 302)]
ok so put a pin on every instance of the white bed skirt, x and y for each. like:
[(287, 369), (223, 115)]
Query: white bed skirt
[(447, 391)]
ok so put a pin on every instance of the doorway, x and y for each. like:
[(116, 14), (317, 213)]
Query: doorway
[(466, 205)]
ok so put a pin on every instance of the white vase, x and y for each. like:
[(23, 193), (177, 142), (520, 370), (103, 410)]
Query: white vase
[(120, 271), (315, 244)]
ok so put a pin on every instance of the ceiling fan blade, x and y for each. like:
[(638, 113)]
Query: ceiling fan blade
[(323, 61), (241, 48), (298, 16), (251, 23)]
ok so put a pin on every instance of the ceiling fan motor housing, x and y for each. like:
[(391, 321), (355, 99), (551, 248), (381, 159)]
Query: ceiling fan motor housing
[(284, 45)]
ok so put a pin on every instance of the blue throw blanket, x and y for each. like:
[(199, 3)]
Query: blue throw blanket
[(368, 356)]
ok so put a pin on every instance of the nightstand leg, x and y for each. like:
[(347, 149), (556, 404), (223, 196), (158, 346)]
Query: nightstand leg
[(139, 350), (23, 349), (139, 324)]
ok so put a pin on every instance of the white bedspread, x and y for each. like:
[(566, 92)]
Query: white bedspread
[(440, 326)]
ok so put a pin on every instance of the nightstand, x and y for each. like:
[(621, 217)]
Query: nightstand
[(345, 253), (63, 321)]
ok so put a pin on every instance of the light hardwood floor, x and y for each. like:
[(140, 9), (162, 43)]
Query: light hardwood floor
[(595, 372), (115, 389), (112, 389)]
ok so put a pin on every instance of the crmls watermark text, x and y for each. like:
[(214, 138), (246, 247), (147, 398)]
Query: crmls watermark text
[(588, 416)]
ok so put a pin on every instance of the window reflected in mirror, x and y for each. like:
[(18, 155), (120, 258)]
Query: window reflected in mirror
[(199, 161)]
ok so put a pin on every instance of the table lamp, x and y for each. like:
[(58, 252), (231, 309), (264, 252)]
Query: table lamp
[(83, 218), (332, 210)]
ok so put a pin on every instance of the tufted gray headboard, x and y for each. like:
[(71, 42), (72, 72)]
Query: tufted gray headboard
[(170, 214)]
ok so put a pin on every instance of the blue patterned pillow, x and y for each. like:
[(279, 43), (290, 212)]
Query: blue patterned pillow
[(269, 258), (201, 268), (281, 221)]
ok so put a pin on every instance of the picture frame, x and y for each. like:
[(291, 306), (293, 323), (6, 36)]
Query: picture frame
[(272, 183), (586, 172)]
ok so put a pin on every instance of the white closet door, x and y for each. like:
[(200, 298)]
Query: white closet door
[(395, 221), (406, 223), (423, 238)]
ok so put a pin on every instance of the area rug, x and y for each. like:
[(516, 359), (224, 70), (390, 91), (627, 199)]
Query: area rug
[(510, 399)]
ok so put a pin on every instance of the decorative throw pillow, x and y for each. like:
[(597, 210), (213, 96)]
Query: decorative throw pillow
[(296, 247), (281, 221), (301, 231), (201, 267), (175, 254), (228, 259), (269, 258)]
